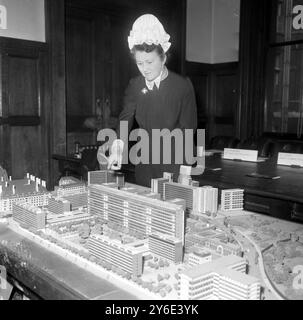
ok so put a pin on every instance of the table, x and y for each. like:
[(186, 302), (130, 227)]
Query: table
[(43, 274), (68, 165), (281, 197)]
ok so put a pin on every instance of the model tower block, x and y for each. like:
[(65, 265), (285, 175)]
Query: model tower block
[(199, 200), (157, 186), (232, 199), (136, 212)]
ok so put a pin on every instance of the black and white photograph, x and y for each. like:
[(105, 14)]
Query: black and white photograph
[(151, 153)]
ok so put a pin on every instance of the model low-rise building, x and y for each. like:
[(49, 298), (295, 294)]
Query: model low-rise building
[(199, 257), (222, 279), (70, 189), (77, 200), (29, 216), (232, 199), (101, 176), (58, 206), (124, 256), (30, 190), (169, 248), (73, 216)]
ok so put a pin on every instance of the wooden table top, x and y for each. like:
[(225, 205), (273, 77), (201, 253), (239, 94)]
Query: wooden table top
[(50, 276), (234, 175)]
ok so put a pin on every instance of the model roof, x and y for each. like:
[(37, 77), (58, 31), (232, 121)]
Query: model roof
[(213, 266)]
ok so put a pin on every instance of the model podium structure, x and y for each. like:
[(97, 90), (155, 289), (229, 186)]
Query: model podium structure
[(159, 242)]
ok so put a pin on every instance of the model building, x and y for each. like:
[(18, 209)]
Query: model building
[(29, 216), (222, 279), (141, 237), (232, 199), (30, 190)]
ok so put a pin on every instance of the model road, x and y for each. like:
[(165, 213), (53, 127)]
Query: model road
[(261, 265)]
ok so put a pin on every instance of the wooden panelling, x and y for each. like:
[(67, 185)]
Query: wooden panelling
[(79, 66), (254, 38), (55, 36), (226, 99), (216, 88), (24, 115), (23, 82), (26, 150), (200, 84)]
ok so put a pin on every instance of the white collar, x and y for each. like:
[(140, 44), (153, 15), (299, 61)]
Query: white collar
[(157, 81)]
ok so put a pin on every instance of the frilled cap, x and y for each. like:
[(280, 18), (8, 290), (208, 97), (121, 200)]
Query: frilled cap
[(148, 29)]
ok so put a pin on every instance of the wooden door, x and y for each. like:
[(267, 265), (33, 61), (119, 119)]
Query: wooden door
[(24, 141), (98, 69)]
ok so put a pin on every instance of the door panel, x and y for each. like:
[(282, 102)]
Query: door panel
[(23, 86), (79, 66), (24, 117), (82, 36)]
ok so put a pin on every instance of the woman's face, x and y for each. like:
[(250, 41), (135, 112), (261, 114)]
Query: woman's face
[(150, 64)]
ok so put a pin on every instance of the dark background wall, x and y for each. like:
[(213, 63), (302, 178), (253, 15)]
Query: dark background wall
[(69, 82)]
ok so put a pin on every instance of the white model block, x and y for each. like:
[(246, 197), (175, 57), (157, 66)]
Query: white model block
[(232, 199)]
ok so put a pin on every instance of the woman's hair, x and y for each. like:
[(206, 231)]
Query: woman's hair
[(149, 48)]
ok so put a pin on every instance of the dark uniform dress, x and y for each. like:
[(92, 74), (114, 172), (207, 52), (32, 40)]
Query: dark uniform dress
[(171, 106)]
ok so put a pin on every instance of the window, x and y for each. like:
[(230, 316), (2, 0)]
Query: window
[(284, 103)]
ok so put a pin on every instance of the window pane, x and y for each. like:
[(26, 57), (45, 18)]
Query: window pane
[(284, 27), (285, 89)]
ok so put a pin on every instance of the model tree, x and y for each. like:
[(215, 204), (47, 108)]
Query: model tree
[(92, 259), (160, 278), (167, 276), (163, 293), (169, 288), (161, 263), (97, 229)]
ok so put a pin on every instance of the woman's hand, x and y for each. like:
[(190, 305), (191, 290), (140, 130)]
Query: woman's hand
[(114, 161), (101, 155), (115, 158)]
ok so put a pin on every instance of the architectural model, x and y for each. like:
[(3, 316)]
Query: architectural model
[(170, 242), (222, 279), (232, 199), (30, 190)]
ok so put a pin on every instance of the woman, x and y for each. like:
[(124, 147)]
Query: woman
[(157, 99)]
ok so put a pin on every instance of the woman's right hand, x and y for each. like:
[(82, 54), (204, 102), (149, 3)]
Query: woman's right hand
[(115, 158), (101, 155), (114, 161)]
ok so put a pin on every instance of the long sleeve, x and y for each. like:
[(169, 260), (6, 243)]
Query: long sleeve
[(129, 107), (188, 112)]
